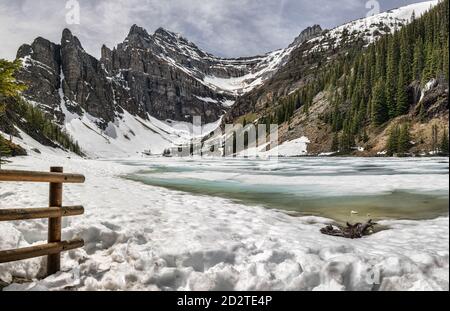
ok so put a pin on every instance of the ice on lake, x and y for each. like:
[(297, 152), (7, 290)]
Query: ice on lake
[(339, 188), (199, 224)]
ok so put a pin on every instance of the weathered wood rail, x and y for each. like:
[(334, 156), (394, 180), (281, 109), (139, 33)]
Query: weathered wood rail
[(56, 178)]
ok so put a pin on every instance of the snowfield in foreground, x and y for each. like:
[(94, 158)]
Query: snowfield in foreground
[(141, 237)]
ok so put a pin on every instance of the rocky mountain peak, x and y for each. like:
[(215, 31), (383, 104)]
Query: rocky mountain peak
[(136, 30), (170, 36), (105, 52), (138, 37), (308, 34), (68, 39), (42, 51), (164, 32), (27, 49), (24, 50), (175, 41)]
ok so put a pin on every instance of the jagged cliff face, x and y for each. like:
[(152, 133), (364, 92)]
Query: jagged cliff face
[(162, 75), (41, 69), (63, 77), (114, 105), (308, 34)]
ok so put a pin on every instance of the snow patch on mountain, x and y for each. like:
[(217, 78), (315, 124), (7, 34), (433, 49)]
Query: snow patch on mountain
[(428, 86), (254, 70), (292, 148), (129, 135), (372, 27), (236, 86)]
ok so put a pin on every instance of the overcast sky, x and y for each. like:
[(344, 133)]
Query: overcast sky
[(226, 28)]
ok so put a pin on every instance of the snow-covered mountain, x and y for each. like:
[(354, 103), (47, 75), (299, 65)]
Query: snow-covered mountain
[(145, 85), (163, 75), (372, 27), (134, 96), (229, 76), (300, 64)]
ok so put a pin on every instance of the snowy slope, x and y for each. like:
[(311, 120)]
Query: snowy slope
[(292, 148), (370, 28), (266, 66), (129, 135), (244, 74)]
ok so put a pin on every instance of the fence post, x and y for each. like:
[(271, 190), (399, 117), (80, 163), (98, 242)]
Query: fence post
[(54, 224)]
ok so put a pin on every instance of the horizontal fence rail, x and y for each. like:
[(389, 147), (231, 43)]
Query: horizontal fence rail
[(54, 213), (39, 250), (39, 213), (52, 177)]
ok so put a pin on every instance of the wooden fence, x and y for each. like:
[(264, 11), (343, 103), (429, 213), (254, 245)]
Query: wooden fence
[(56, 178)]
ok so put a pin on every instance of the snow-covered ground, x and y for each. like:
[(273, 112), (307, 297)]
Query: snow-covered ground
[(141, 237), (291, 148)]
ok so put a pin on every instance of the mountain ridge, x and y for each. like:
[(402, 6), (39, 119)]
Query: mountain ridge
[(165, 76), (130, 76), (326, 90)]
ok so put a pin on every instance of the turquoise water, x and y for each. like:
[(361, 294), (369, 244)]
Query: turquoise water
[(331, 187)]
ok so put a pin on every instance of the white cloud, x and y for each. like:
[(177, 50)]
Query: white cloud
[(223, 27)]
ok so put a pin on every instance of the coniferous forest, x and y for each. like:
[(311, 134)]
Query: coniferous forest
[(370, 85)]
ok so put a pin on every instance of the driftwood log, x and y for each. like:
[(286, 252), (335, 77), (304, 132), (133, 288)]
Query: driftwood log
[(355, 231)]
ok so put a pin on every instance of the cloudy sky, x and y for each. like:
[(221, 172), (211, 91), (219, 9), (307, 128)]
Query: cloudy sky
[(226, 28)]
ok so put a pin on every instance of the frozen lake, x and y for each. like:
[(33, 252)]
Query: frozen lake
[(330, 187), (216, 224)]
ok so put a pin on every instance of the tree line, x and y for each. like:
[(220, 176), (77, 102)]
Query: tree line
[(369, 85)]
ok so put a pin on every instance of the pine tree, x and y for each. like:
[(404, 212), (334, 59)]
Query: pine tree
[(347, 139), (380, 71), (379, 109), (9, 87), (428, 71), (335, 142), (406, 58), (392, 145), (445, 56), (418, 60), (404, 140), (422, 113), (402, 95), (391, 76), (444, 144)]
